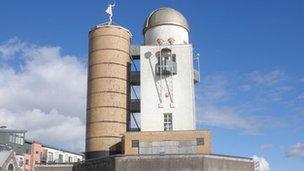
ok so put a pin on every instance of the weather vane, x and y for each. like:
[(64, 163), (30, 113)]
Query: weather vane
[(109, 11)]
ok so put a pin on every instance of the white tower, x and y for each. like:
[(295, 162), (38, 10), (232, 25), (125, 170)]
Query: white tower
[(167, 74)]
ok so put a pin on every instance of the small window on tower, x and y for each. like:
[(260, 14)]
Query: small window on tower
[(166, 64), (200, 141), (135, 143), (168, 121)]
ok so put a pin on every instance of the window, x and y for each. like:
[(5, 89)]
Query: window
[(16, 138), (10, 167), (70, 160), (60, 158), (200, 141), (26, 161), (166, 64), (11, 138), (135, 143), (50, 157), (168, 121)]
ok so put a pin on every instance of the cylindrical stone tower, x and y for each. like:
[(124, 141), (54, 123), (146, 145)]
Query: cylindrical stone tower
[(108, 90)]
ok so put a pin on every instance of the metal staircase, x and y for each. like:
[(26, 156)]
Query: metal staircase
[(134, 80)]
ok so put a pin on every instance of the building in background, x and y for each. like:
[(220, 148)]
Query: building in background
[(29, 154), (8, 161), (13, 139), (55, 155)]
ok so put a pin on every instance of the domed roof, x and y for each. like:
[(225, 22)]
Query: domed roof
[(165, 16)]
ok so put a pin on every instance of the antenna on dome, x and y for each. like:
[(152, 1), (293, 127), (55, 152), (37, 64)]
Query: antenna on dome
[(109, 11)]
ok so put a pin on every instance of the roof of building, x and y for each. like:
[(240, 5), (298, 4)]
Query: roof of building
[(68, 151), (165, 16), (55, 148), (113, 25), (3, 156), (4, 130)]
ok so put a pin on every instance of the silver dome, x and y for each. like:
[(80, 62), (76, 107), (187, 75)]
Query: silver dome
[(165, 16)]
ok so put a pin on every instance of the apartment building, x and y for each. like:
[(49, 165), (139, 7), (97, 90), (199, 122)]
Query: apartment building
[(30, 153)]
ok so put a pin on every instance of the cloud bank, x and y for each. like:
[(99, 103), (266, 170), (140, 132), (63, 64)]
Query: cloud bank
[(296, 150), (241, 101), (43, 91)]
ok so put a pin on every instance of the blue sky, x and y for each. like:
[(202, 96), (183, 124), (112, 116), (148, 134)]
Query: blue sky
[(252, 53)]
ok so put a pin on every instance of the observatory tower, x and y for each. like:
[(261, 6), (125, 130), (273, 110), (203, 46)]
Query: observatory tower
[(162, 69), (166, 78), (167, 74)]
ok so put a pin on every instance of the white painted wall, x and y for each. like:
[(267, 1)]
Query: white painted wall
[(183, 112), (65, 155), (165, 32)]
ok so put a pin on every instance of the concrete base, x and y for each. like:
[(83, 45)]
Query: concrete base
[(167, 142), (54, 167), (197, 162)]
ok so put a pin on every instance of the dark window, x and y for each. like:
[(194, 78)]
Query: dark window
[(166, 64), (60, 158), (37, 152), (26, 161), (135, 143), (10, 167), (50, 157), (168, 121), (200, 141), (70, 159)]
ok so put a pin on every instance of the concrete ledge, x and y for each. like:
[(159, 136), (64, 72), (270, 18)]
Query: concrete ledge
[(52, 167), (189, 162)]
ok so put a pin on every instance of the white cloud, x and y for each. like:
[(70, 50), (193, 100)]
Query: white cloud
[(45, 94), (46, 81), (10, 48), (234, 102), (296, 150), (261, 163), (269, 78), (234, 118), (215, 87), (301, 96), (265, 147)]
